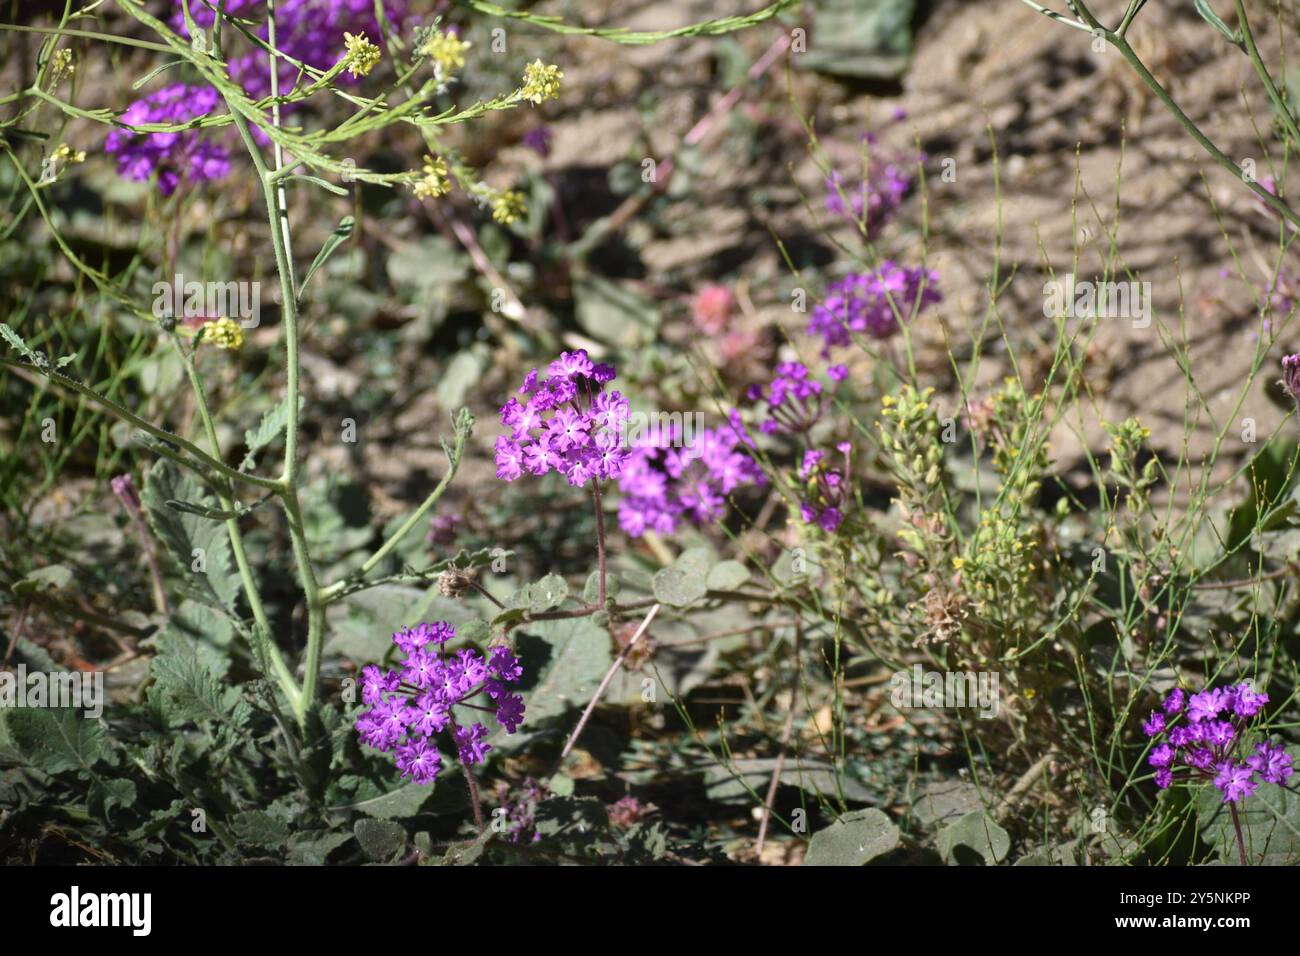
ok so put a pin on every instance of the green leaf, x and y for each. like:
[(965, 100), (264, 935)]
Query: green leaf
[(380, 839), (329, 187), (748, 775), (685, 581), (187, 688), (591, 589), (56, 740), (548, 593), (405, 801), (614, 313), (161, 68), (55, 577), (462, 374), (340, 234), (1209, 16), (975, 837), (258, 828), (727, 576), (198, 544), (853, 840), (270, 427), (16, 342), (103, 795), (313, 849), (871, 41), (199, 631), (568, 658)]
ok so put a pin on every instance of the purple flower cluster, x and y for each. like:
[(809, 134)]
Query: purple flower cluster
[(187, 154), (666, 479), (307, 30), (865, 303), (567, 423), (826, 489), (873, 202), (1204, 743), (410, 704), (877, 197), (794, 398)]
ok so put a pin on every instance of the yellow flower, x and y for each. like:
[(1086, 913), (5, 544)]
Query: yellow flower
[(446, 50), (362, 56), (541, 82), (508, 206), (224, 333), (434, 182), (66, 154)]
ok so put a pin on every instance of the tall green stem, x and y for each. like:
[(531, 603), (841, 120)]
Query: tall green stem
[(269, 655), (277, 216)]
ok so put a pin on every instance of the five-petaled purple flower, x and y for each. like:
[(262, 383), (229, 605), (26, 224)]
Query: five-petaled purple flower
[(411, 703)]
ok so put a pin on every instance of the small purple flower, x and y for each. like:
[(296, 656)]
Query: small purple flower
[(1271, 762), (375, 683), (1175, 701), (510, 712), (1236, 781), (872, 303), (1245, 702), (419, 761), (509, 459), (1161, 756), (171, 156), (503, 663), (1206, 705), (1291, 376), (471, 745), (538, 139), (1203, 745)]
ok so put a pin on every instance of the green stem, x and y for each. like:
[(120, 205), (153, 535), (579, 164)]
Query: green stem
[(315, 603), (277, 217), (1265, 77), (117, 411), (336, 590), (268, 654), (1121, 44)]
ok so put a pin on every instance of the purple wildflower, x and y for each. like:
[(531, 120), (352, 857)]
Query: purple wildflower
[(566, 424), (1271, 762), (1236, 781), (410, 704), (871, 303), (668, 477), (873, 201), (1155, 725), (1203, 747), (172, 157), (1291, 376), (471, 744)]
